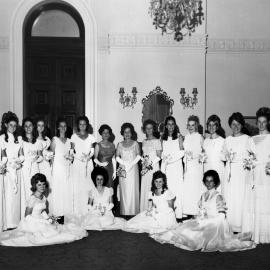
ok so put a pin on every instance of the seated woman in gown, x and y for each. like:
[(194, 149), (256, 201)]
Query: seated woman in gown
[(37, 228), (209, 231), (100, 216), (160, 214)]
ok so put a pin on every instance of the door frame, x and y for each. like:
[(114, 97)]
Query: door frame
[(16, 55)]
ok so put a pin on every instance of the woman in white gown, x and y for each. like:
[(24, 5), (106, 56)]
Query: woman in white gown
[(128, 155), (256, 214), (151, 147), (82, 166), (12, 144), (61, 195), (213, 146), (160, 215), (193, 187), (32, 151), (37, 228), (100, 216), (172, 165), (237, 148), (210, 230)]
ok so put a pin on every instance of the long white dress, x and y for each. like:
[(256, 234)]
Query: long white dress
[(209, 232), (162, 216), (193, 185), (81, 173), (214, 150), (29, 168), (256, 214), (36, 230), (129, 186), (12, 183), (94, 220), (61, 195), (236, 178), (150, 148), (174, 171)]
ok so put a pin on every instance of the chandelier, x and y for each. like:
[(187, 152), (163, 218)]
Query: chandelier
[(180, 17)]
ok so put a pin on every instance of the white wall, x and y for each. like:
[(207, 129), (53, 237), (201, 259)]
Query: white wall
[(135, 54)]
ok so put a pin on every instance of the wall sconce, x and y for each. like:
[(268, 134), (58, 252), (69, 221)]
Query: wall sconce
[(186, 100), (127, 100)]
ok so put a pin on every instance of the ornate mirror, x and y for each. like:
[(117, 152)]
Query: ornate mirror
[(157, 106)]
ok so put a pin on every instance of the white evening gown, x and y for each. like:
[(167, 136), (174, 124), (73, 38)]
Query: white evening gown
[(256, 214), (11, 183), (161, 218), (193, 175), (210, 231), (214, 150), (129, 186), (150, 148), (94, 220), (61, 195), (36, 230), (29, 168), (174, 172), (236, 178), (81, 173)]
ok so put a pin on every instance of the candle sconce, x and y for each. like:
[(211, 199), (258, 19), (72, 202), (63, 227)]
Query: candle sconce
[(188, 101), (128, 100)]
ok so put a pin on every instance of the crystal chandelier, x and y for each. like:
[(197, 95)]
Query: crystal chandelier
[(180, 17)]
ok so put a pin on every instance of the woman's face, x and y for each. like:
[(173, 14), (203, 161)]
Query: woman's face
[(41, 187), (170, 126), (191, 126), (212, 127), (62, 127), (28, 127), (236, 127), (11, 126), (99, 180), (40, 126), (82, 125), (127, 134), (149, 130), (262, 123), (105, 135), (159, 183), (209, 182)]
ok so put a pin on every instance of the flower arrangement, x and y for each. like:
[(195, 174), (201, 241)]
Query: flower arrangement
[(70, 156), (267, 168), (202, 157), (230, 155), (249, 161), (3, 168), (48, 155), (15, 163), (120, 172), (189, 155), (147, 165)]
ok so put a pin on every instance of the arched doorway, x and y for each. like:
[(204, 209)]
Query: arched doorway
[(54, 63)]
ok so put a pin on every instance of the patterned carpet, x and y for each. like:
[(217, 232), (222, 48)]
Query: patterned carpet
[(123, 251)]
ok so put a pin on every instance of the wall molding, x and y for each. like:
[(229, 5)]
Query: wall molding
[(4, 43)]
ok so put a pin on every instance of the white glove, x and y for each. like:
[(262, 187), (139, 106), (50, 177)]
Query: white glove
[(156, 160), (101, 164)]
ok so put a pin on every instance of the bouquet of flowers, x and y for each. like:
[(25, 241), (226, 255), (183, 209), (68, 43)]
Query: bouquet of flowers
[(48, 155), (267, 168), (70, 156), (56, 220), (249, 162), (147, 165), (84, 157), (15, 163), (202, 213), (230, 155), (3, 168), (120, 172), (202, 157), (189, 155)]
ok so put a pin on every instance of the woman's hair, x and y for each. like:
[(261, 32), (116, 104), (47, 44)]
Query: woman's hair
[(58, 121), (214, 175), (195, 119), (132, 130), (214, 118), (34, 134), (154, 125), (99, 171), (89, 128), (263, 112), (166, 132), (38, 177), (7, 118), (103, 127), (238, 117), (45, 132), (156, 175)]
